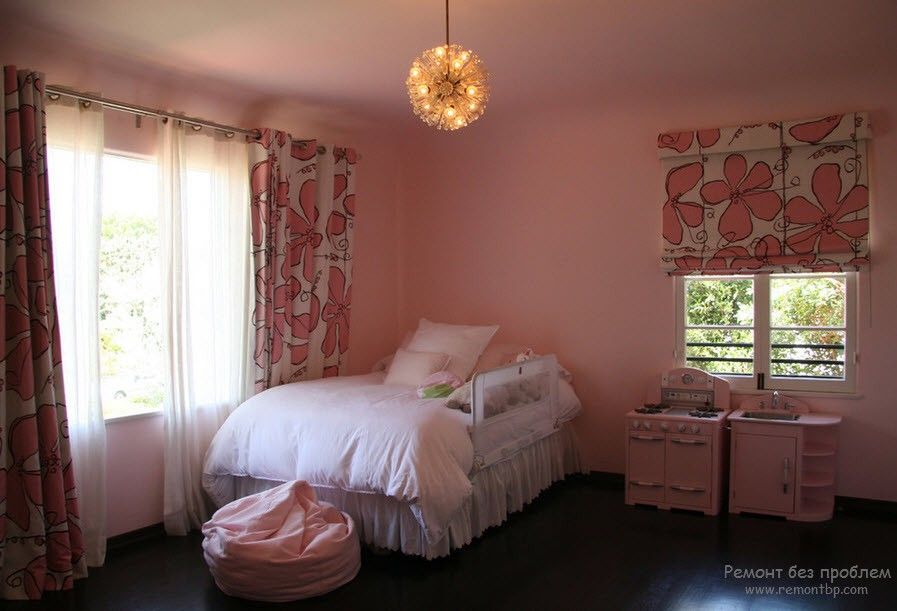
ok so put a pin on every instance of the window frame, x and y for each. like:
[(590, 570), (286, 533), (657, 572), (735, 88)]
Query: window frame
[(762, 333)]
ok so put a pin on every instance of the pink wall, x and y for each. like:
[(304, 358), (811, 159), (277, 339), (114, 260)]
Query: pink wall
[(549, 224), (134, 452), (134, 467)]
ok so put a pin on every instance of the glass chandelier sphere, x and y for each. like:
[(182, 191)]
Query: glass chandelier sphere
[(448, 87)]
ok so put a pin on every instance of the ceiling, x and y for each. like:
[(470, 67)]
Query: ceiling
[(539, 52)]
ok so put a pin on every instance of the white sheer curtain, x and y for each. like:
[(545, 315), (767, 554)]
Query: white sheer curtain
[(75, 159), (204, 225)]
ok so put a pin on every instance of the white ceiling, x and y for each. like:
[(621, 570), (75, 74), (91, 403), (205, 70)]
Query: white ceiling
[(349, 53)]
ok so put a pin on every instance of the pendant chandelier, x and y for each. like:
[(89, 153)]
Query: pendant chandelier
[(448, 85)]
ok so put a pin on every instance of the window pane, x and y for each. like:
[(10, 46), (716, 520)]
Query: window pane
[(722, 351), (807, 353), (807, 302), (130, 288), (719, 302)]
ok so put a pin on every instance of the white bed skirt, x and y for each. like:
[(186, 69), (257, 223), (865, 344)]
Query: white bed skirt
[(498, 491)]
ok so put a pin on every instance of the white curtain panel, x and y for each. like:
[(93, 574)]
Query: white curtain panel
[(75, 159), (205, 248)]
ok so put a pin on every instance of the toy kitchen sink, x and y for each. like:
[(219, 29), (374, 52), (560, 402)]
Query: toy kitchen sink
[(782, 459)]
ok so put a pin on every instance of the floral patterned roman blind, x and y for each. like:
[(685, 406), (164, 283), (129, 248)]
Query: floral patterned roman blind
[(784, 196)]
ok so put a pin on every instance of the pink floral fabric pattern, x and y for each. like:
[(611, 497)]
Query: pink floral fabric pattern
[(779, 196), (825, 222), (680, 181), (746, 194), (302, 241), (41, 545)]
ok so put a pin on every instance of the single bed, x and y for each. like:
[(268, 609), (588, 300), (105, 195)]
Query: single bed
[(416, 476)]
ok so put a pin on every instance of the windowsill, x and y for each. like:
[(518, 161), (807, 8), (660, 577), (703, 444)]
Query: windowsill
[(137, 416), (743, 385), (819, 394)]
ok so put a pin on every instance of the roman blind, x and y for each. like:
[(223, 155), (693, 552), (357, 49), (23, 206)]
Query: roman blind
[(785, 196)]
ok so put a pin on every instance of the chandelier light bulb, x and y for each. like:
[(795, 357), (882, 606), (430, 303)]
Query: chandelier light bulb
[(423, 90), (440, 51), (415, 72), (450, 112)]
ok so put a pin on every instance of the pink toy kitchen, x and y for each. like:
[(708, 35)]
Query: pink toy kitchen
[(687, 449)]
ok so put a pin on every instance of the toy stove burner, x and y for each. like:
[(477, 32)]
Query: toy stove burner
[(698, 413), (651, 408)]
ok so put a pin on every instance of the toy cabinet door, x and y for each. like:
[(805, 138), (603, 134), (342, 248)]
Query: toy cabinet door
[(646, 467), (763, 473)]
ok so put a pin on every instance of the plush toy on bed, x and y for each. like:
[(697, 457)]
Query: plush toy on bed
[(438, 385), (529, 354), (460, 399)]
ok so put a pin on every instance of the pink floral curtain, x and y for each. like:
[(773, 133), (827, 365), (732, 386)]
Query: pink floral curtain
[(780, 196), (41, 546), (303, 209)]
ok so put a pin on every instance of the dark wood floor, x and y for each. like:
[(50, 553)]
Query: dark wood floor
[(576, 547)]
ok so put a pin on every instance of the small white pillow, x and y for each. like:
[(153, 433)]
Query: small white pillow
[(463, 343), (410, 368)]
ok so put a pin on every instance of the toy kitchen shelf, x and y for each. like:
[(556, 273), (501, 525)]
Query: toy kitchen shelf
[(783, 467)]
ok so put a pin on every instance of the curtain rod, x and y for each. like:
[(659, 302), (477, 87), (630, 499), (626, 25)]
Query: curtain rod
[(54, 92)]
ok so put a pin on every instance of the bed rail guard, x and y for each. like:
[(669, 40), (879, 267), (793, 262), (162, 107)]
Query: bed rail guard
[(513, 407)]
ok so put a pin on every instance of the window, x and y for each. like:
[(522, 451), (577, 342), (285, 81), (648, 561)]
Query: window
[(132, 379), (129, 290), (129, 305), (796, 331)]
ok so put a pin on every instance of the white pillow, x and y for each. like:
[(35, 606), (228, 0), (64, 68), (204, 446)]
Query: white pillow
[(410, 368), (463, 343)]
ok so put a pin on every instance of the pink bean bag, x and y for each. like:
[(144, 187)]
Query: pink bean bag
[(281, 545)]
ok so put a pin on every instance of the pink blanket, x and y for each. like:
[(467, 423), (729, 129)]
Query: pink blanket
[(281, 545)]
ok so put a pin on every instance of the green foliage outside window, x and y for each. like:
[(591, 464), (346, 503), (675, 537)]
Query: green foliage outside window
[(807, 302), (720, 302), (129, 313), (799, 302)]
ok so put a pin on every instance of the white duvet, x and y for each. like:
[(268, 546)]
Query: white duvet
[(354, 433)]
